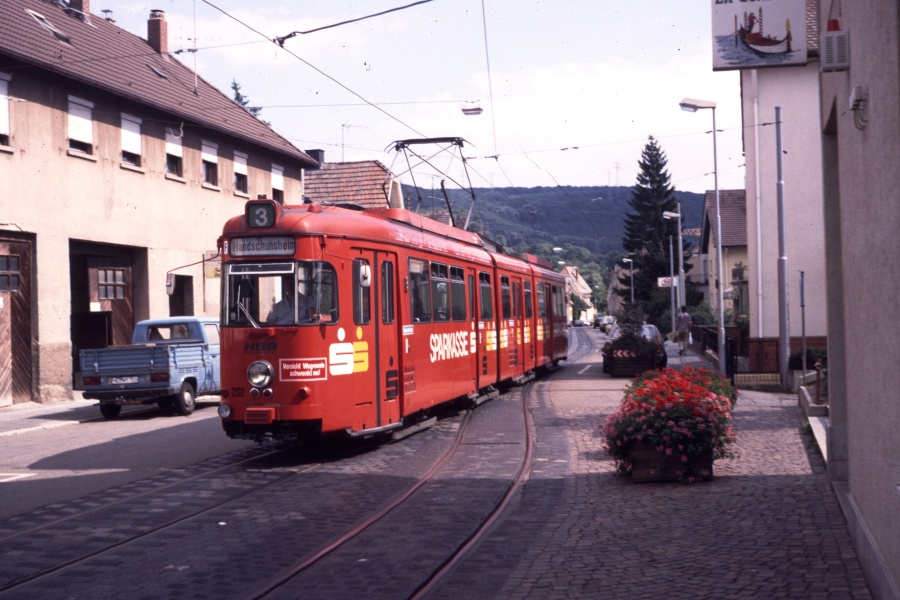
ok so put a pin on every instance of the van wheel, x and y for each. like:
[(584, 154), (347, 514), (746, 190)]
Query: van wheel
[(185, 400), (110, 411)]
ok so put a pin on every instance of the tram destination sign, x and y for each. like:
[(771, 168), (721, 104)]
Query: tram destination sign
[(262, 246)]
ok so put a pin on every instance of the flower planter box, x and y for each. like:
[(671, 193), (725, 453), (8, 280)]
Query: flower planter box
[(629, 366), (648, 464)]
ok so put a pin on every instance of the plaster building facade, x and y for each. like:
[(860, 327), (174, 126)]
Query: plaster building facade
[(733, 215), (120, 167), (860, 140), (795, 89)]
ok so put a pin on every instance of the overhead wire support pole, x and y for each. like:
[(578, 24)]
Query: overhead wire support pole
[(784, 337)]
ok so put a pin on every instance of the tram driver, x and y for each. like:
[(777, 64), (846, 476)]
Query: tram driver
[(282, 312)]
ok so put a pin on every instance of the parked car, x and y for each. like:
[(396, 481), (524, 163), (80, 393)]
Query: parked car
[(578, 323), (648, 332), (170, 362)]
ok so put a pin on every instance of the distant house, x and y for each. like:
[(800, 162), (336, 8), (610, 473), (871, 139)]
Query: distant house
[(367, 183), (576, 284), (119, 166), (733, 213)]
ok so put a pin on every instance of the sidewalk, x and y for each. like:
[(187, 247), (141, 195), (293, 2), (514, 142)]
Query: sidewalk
[(33, 416), (768, 525)]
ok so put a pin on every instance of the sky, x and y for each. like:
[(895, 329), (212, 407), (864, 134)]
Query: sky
[(570, 90)]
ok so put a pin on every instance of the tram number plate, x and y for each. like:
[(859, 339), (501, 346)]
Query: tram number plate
[(122, 380)]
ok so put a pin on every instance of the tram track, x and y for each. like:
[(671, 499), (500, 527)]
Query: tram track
[(443, 511), (285, 584), (76, 521)]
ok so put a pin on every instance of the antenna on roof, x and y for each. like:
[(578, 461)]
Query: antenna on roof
[(196, 91)]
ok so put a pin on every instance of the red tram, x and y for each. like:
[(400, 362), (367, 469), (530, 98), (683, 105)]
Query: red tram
[(358, 321)]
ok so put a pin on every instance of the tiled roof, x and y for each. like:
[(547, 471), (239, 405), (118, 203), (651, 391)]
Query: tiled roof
[(366, 183), (812, 27), (102, 55), (733, 212)]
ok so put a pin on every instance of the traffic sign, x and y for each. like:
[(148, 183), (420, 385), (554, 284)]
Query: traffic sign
[(666, 282)]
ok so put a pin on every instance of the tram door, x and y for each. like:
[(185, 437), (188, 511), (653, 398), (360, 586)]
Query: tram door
[(485, 328), (517, 331), (375, 340)]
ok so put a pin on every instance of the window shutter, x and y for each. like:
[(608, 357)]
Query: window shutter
[(240, 163), (81, 124), (277, 177), (4, 104), (173, 144), (209, 152), (131, 134)]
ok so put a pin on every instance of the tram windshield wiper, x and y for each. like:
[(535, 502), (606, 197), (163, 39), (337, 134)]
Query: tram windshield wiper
[(243, 309)]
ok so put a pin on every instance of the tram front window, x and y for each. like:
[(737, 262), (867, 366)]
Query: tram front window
[(284, 293)]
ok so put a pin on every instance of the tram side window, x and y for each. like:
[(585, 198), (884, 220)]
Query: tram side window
[(440, 292), (529, 310), (387, 293), (558, 310), (362, 293), (542, 302), (419, 291), (505, 297), (517, 299), (472, 312), (485, 295), (458, 293)]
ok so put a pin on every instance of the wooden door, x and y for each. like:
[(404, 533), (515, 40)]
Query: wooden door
[(111, 291), (16, 345)]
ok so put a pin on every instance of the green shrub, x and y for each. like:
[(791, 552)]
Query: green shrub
[(813, 355)]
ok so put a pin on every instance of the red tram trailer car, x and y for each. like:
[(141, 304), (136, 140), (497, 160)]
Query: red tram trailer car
[(359, 321)]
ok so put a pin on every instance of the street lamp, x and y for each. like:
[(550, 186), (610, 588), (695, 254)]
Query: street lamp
[(681, 290), (630, 270), (693, 105)]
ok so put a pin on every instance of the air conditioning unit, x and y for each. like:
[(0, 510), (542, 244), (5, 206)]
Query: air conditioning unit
[(835, 51)]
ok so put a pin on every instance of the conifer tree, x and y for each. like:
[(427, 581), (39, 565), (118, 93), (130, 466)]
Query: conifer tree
[(244, 101), (646, 238)]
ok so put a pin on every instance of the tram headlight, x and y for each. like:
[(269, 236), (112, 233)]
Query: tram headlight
[(259, 373), (224, 411)]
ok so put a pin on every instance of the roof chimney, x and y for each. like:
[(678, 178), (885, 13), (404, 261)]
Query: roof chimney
[(317, 155), (82, 6), (157, 32)]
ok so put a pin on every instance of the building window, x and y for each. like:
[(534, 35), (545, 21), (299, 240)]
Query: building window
[(278, 183), (240, 172), (81, 125), (173, 154), (209, 153), (111, 284), (4, 109), (131, 140), (9, 273)]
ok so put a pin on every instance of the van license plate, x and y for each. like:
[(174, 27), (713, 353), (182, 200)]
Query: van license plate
[(122, 380)]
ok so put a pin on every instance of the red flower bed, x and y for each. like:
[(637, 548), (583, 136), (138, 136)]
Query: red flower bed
[(683, 414)]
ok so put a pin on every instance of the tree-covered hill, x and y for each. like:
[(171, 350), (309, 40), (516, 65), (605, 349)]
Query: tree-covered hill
[(522, 218)]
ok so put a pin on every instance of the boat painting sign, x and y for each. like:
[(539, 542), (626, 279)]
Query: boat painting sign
[(758, 33)]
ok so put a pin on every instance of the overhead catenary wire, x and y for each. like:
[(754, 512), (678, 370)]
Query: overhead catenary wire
[(317, 70), (282, 39)]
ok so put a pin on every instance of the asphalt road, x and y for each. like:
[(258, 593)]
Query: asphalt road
[(62, 463)]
